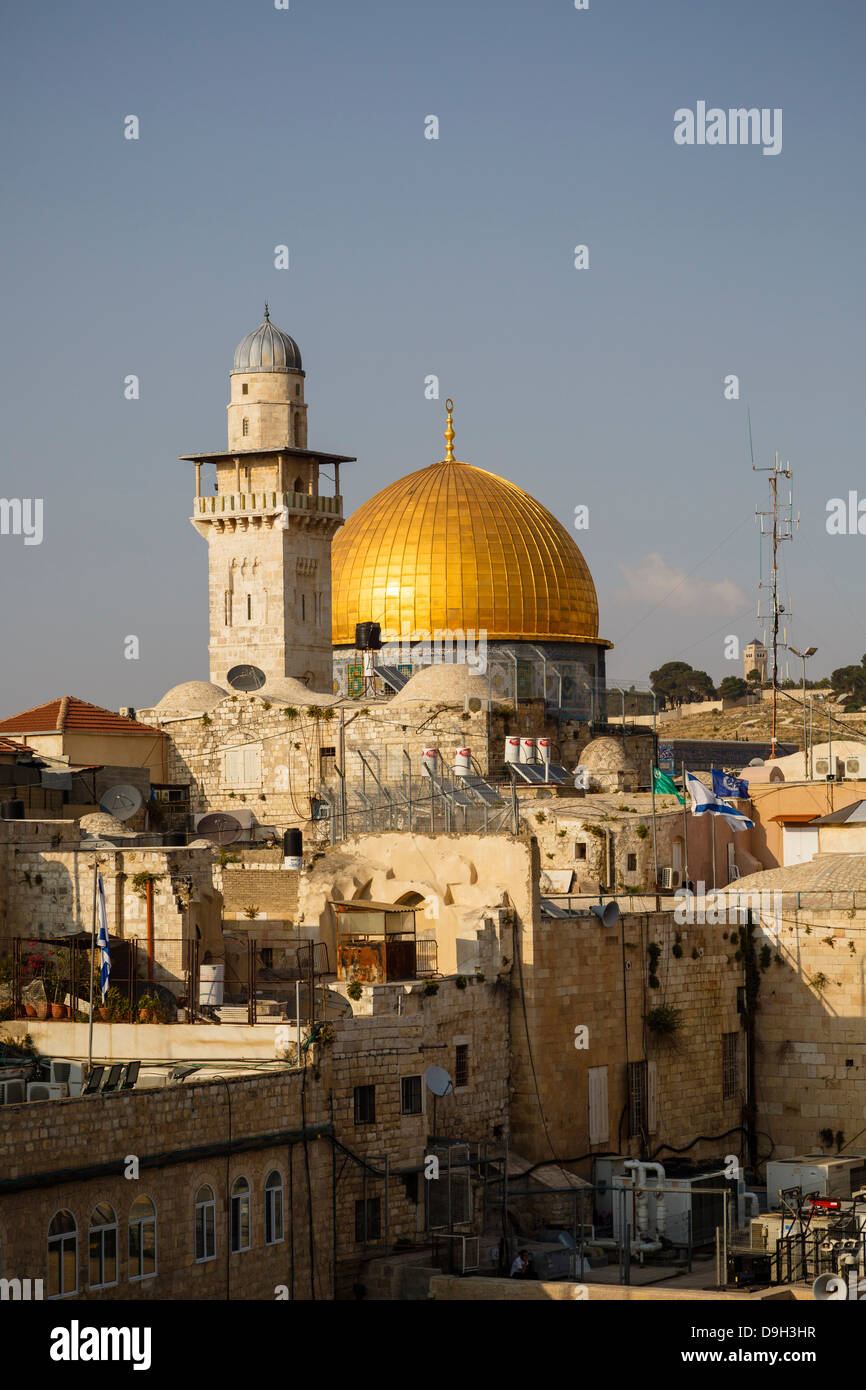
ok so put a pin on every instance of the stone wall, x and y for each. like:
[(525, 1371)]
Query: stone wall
[(180, 1135), (576, 973), (811, 1056)]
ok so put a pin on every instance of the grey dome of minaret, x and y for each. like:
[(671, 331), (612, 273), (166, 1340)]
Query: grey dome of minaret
[(267, 349)]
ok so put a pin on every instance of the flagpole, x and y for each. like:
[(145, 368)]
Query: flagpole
[(92, 961), (655, 842), (685, 824)]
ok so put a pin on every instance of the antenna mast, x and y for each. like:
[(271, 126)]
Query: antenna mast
[(784, 522)]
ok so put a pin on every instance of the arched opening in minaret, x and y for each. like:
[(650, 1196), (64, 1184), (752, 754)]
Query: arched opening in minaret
[(298, 484)]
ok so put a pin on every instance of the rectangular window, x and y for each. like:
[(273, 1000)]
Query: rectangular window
[(142, 1249), (365, 1105), (368, 1220), (240, 1223), (303, 609), (410, 1095), (580, 850), (205, 1231), (730, 1065), (327, 758), (273, 1215), (637, 1099), (461, 1065), (631, 862), (103, 1256)]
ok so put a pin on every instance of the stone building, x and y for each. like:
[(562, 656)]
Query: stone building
[(810, 1060), (268, 524), (755, 659)]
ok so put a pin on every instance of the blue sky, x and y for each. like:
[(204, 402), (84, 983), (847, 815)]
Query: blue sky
[(601, 387)]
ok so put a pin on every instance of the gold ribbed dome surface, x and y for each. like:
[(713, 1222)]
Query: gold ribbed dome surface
[(455, 547)]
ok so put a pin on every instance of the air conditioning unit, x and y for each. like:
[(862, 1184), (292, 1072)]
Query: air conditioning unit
[(822, 767), (47, 1090), (476, 704), (12, 1092), (457, 1254), (670, 878), (70, 1074), (853, 767), (127, 712)]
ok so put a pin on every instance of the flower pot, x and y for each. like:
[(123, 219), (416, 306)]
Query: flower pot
[(29, 1011), (102, 1015), (42, 1010), (58, 1010)]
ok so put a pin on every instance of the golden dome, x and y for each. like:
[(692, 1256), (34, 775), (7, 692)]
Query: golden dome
[(453, 547)]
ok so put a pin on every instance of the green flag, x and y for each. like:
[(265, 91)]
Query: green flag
[(664, 784)]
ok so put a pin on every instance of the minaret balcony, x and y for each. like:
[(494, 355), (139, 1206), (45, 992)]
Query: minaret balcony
[(228, 505)]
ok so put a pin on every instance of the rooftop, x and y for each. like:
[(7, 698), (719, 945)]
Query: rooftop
[(68, 714)]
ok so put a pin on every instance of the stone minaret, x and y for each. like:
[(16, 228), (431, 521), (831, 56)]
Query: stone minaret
[(268, 527)]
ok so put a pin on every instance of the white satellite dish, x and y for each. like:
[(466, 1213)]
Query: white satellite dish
[(438, 1081), (121, 802)]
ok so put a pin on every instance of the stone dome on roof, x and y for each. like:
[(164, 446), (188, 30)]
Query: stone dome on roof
[(605, 755), (100, 825), (445, 683), (190, 697), (289, 691), (267, 349)]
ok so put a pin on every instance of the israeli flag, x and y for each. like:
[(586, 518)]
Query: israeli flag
[(703, 801), (102, 938), (726, 784)]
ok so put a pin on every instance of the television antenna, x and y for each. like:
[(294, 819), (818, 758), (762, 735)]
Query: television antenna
[(780, 527)]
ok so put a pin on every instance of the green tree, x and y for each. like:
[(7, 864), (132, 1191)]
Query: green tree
[(678, 683), (733, 688)]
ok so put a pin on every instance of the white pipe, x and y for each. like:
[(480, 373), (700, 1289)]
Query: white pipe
[(751, 1198), (661, 1214)]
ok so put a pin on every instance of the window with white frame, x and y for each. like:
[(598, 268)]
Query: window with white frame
[(142, 1240), (242, 767), (102, 1247), (240, 1216), (62, 1255), (273, 1209), (205, 1224)]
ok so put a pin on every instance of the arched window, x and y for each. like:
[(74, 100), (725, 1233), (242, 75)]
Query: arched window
[(240, 1215), (298, 485), (297, 390), (273, 1209), (102, 1247), (142, 1239), (205, 1225), (62, 1255), (245, 427)]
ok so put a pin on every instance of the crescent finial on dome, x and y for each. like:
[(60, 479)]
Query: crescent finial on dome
[(449, 433)]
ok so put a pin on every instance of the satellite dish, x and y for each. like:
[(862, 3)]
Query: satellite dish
[(246, 678), (121, 802), (756, 762), (220, 828), (437, 1080)]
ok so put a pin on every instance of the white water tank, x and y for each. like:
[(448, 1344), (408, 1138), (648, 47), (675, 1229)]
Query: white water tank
[(512, 749), (211, 984), (527, 750), (430, 761), (462, 762), (544, 749)]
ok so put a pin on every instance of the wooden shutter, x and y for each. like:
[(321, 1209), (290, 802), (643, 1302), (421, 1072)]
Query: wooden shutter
[(599, 1122)]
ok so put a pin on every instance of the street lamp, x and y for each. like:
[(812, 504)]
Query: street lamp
[(810, 651)]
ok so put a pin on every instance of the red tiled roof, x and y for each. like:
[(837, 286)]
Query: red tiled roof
[(8, 745), (68, 714)]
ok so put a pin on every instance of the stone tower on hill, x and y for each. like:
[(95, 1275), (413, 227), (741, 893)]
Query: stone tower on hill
[(268, 527)]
